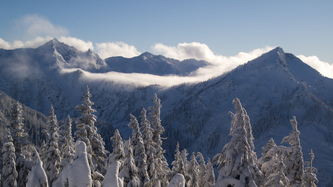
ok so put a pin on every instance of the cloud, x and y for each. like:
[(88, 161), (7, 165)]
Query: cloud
[(110, 49), (77, 43), (34, 26), (325, 68)]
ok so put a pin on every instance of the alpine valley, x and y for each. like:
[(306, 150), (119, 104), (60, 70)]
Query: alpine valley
[(272, 88)]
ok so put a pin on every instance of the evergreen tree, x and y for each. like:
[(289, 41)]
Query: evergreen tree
[(294, 156), (161, 164), (309, 177), (268, 158), (97, 155), (183, 165), (9, 174), (277, 178), (147, 137), (37, 176), (237, 161), (51, 157), (129, 170), (201, 169), (209, 177), (192, 170), (118, 153), (176, 162), (139, 153), (67, 148), (20, 141)]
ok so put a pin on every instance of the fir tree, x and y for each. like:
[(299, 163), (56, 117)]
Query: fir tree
[(192, 170), (139, 153), (51, 157), (277, 178), (209, 177), (294, 156), (177, 159), (37, 176), (201, 169), (309, 177), (9, 174), (161, 164), (97, 155), (20, 141), (237, 160), (129, 170), (118, 153), (67, 148), (147, 137), (268, 158)]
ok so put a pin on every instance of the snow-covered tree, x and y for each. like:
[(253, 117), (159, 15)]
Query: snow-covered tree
[(37, 176), (147, 137), (97, 155), (129, 170), (294, 156), (20, 141), (51, 157), (139, 153), (192, 169), (201, 169), (111, 178), (268, 158), (209, 176), (309, 178), (177, 159), (161, 164), (118, 153), (237, 163), (9, 174), (67, 148), (277, 178), (177, 181)]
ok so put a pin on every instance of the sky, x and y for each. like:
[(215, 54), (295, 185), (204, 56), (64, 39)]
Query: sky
[(179, 29)]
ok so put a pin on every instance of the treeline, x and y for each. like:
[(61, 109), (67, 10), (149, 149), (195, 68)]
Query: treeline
[(82, 160)]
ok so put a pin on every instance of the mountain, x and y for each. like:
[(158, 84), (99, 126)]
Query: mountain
[(152, 64), (272, 88)]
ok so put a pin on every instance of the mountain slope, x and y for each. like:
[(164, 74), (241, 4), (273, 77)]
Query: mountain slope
[(272, 88)]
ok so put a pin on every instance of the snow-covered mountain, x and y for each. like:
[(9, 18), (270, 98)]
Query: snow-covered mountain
[(272, 88)]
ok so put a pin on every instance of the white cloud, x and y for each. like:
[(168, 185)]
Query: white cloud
[(325, 68), (110, 49), (34, 26), (77, 43)]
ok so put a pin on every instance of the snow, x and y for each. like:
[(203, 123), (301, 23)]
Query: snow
[(37, 176), (111, 178), (177, 181)]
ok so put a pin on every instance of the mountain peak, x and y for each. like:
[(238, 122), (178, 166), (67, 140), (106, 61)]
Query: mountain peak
[(146, 55)]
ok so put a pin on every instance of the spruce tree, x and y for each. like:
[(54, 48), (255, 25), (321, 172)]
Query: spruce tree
[(268, 158), (209, 177), (277, 178), (129, 170), (118, 153), (97, 155), (139, 153), (294, 156), (67, 148), (201, 169), (51, 157), (9, 174), (192, 170), (20, 141), (309, 178), (37, 175), (161, 164), (237, 160), (177, 159)]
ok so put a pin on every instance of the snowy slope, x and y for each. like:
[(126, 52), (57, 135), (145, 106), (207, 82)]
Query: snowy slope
[(151, 64), (272, 88)]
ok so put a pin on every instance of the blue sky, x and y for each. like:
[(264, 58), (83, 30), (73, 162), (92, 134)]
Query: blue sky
[(226, 27)]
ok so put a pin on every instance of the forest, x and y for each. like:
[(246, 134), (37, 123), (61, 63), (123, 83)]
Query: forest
[(65, 158)]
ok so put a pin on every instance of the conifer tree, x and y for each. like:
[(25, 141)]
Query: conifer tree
[(147, 137), (118, 153), (51, 157), (161, 164), (192, 170), (309, 177), (67, 148), (237, 161), (139, 153), (129, 170), (294, 156), (20, 141), (209, 177), (37, 175), (201, 169), (97, 155), (268, 158), (277, 178), (9, 174), (177, 159)]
